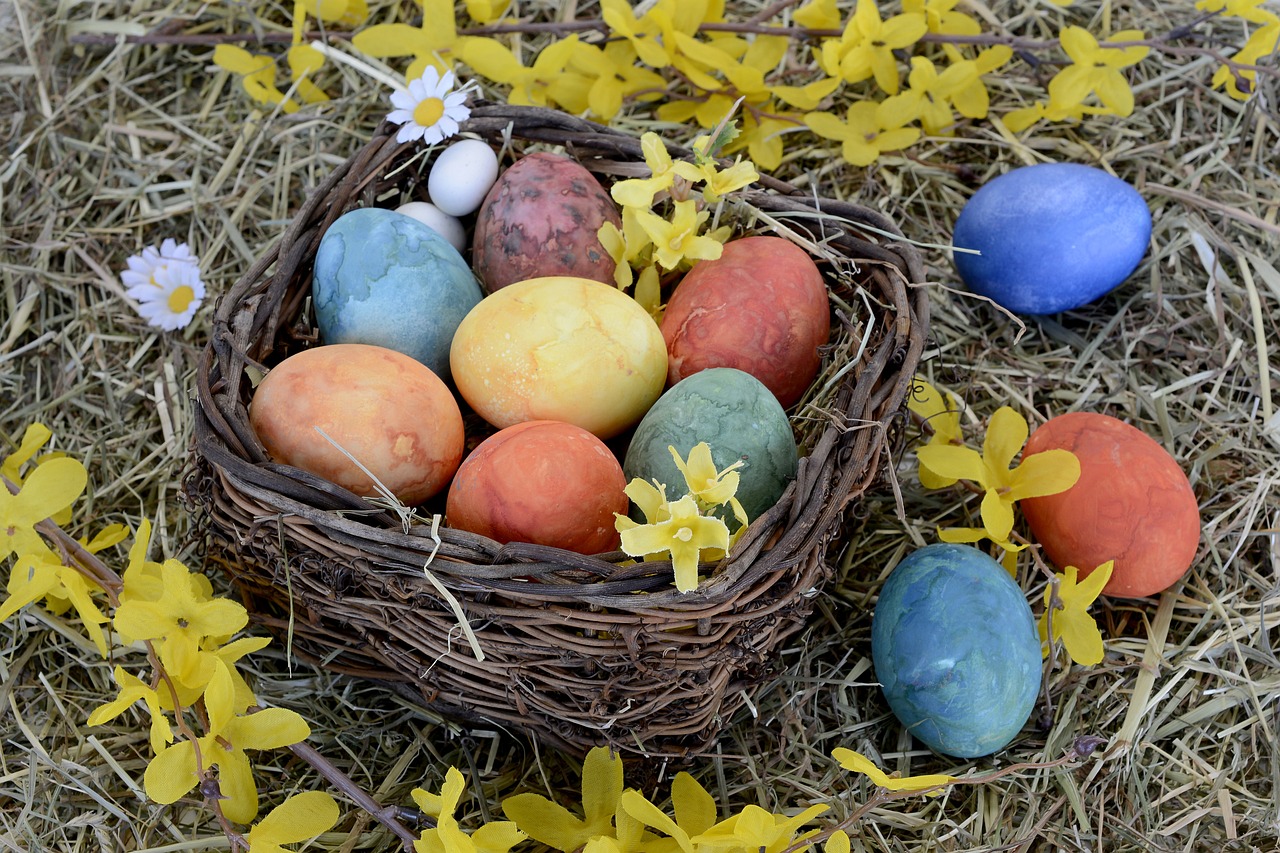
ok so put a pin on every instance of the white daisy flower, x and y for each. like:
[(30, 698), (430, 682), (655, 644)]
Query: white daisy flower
[(169, 294), (142, 267), (427, 110)]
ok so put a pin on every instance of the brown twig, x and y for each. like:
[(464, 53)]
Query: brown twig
[(385, 815)]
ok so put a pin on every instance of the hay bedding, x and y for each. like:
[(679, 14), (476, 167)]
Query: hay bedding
[(108, 149)]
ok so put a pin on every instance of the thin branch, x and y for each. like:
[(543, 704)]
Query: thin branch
[(385, 815)]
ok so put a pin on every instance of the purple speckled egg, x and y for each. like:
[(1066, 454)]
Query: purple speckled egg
[(541, 219)]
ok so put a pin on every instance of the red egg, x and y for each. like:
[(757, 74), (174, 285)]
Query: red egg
[(544, 482), (1132, 504), (761, 308), (384, 408)]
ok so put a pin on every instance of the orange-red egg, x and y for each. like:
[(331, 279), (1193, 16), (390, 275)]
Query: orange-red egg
[(761, 308), (1132, 504), (544, 482), (386, 409)]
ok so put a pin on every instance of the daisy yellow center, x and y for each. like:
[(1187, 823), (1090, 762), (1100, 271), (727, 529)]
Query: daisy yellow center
[(428, 111), (181, 298)]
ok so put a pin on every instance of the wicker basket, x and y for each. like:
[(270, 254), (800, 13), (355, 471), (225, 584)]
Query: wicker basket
[(577, 650)]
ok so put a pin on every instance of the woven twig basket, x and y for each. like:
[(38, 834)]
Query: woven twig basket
[(577, 650)]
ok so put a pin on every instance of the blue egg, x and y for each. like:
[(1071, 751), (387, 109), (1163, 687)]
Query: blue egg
[(386, 279), (1053, 237), (956, 650)]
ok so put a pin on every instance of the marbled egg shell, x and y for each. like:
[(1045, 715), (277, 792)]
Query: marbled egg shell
[(385, 279), (560, 349), (1053, 237), (761, 307), (955, 650), (1132, 504), (384, 408), (540, 219), (544, 482), (738, 418)]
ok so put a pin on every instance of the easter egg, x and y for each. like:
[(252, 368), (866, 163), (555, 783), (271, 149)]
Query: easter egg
[(760, 307), (543, 482), (448, 227), (1132, 504), (955, 650), (541, 219), (462, 176), (385, 279), (560, 349), (1052, 237), (385, 409), (738, 418)]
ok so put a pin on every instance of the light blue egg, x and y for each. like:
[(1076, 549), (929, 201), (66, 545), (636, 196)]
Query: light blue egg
[(956, 650), (386, 279), (1053, 237)]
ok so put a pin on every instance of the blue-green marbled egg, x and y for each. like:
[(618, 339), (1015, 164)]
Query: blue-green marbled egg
[(738, 417), (386, 279), (956, 650)]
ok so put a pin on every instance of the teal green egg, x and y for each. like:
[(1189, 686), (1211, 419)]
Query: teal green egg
[(385, 279), (737, 416)]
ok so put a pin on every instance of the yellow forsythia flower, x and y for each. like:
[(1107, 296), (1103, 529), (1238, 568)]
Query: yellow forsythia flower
[(1071, 620), (1045, 473)]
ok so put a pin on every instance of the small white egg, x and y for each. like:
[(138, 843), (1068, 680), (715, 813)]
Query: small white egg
[(438, 221), (461, 177)]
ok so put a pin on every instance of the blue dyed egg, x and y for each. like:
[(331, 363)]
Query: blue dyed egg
[(386, 279), (738, 418), (1053, 237), (956, 650)]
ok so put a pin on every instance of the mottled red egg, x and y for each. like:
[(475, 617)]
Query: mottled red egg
[(1132, 504), (761, 308), (544, 482), (384, 408), (541, 219)]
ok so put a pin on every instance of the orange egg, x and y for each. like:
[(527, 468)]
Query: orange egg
[(386, 409), (761, 307), (543, 482), (1132, 504)]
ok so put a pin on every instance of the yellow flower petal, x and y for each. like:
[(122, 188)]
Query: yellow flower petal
[(695, 809), (1006, 434), (171, 774), (235, 784), (1091, 587), (997, 515), (32, 577), (859, 763), (1046, 473), (601, 788), (957, 463), (300, 817)]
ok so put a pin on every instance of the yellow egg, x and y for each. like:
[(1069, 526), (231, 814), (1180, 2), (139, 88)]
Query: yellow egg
[(384, 408), (560, 349)]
